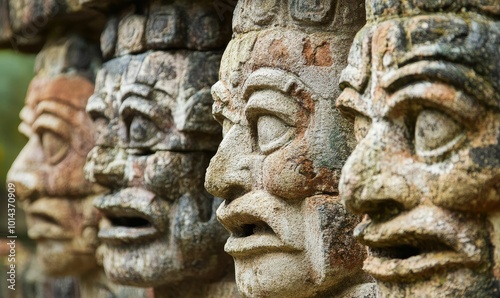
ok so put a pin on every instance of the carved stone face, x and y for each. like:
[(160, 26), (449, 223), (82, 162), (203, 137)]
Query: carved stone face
[(155, 138), (278, 164), (49, 178), (425, 93)]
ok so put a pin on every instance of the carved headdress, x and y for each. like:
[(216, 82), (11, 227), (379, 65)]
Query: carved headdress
[(410, 35)]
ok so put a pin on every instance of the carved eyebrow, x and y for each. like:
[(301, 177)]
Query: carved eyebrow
[(267, 79), (351, 102), (439, 95), (273, 102), (142, 106), (51, 122), (459, 76), (133, 89), (97, 107), (27, 117), (60, 110), (279, 80)]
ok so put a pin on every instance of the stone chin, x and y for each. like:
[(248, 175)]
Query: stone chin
[(59, 258), (274, 275), (153, 263), (324, 267), (156, 263), (65, 232)]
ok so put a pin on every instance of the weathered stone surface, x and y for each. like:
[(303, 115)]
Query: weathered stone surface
[(155, 137), (284, 145), (48, 173), (26, 24), (153, 147), (164, 25), (423, 89)]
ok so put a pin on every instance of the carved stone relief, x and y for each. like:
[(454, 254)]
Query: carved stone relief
[(25, 24), (284, 144), (48, 173), (155, 137), (423, 89)]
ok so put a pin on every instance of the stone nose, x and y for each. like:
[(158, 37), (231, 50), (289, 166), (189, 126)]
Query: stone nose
[(371, 181), (229, 174), (25, 173), (106, 166)]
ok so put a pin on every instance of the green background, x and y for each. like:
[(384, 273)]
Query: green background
[(16, 71)]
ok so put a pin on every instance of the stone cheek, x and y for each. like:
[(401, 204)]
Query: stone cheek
[(424, 171)]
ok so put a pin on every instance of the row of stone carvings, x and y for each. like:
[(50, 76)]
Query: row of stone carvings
[(332, 137)]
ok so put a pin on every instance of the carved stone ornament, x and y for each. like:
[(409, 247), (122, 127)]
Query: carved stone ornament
[(423, 89), (48, 173), (155, 137), (284, 144)]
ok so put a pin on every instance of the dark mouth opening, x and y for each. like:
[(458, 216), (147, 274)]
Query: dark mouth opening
[(130, 222), (247, 230), (403, 252), (44, 218)]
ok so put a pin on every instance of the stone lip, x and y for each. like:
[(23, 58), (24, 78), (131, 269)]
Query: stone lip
[(132, 215), (260, 223), (420, 243)]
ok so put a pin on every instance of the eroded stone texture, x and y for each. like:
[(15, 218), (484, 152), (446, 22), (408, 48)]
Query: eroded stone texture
[(423, 88), (48, 173), (284, 145), (25, 24), (155, 137)]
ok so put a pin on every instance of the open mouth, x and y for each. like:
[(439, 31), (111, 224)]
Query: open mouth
[(260, 223), (403, 252), (420, 243), (247, 230), (131, 215), (253, 237), (126, 228), (129, 222), (44, 218)]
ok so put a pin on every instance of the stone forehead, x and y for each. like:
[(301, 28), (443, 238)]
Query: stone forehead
[(316, 58), (307, 15), (67, 55), (73, 91), (383, 9), (466, 46), (169, 71)]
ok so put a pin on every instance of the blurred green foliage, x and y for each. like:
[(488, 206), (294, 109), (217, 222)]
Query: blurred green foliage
[(16, 71)]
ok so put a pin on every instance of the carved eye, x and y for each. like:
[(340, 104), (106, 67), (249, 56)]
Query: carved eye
[(142, 131), (54, 146), (272, 133), (361, 126), (436, 133)]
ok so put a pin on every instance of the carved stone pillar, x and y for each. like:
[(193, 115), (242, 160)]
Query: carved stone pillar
[(284, 145), (423, 89), (48, 173), (155, 137)]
